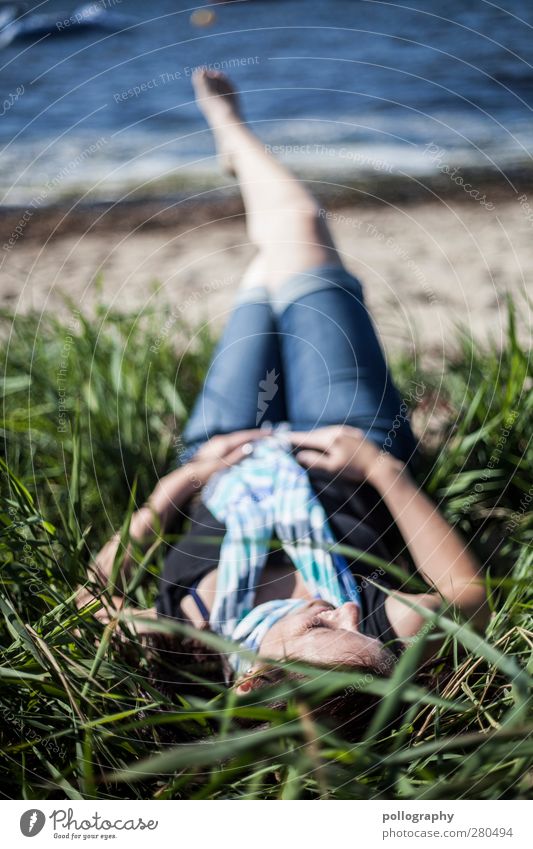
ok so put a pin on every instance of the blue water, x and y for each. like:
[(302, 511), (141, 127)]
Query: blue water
[(345, 86)]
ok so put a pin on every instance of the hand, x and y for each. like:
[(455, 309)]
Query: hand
[(172, 491), (141, 529), (103, 562), (338, 449), (100, 569), (220, 452)]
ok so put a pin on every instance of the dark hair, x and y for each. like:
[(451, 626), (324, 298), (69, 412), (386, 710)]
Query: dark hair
[(172, 659), (348, 711), (173, 663)]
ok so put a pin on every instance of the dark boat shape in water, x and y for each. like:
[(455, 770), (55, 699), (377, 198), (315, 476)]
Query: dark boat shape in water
[(91, 17)]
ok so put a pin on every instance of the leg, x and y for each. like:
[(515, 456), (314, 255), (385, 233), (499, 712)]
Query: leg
[(283, 219), (243, 386), (335, 369)]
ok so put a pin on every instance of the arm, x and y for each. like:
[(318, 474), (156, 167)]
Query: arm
[(439, 553), (176, 488), (169, 495)]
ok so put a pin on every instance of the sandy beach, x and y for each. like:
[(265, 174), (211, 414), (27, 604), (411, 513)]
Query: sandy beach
[(426, 266)]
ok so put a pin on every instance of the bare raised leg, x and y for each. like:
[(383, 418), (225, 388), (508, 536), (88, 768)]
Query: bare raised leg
[(283, 218)]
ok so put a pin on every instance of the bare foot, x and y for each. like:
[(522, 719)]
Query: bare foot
[(218, 102), (216, 97)]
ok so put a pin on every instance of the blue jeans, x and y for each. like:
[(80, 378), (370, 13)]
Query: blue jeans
[(311, 357)]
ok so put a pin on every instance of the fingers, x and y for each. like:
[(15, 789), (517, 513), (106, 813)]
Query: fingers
[(228, 458), (321, 439), (218, 446), (315, 459), (324, 437), (234, 440), (236, 455)]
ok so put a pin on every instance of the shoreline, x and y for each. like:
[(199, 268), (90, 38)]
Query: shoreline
[(210, 201), (428, 262)]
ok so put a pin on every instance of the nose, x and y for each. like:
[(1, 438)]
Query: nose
[(346, 616)]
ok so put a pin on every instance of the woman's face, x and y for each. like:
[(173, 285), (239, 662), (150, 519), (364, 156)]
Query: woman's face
[(321, 634)]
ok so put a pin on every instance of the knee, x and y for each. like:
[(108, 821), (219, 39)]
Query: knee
[(302, 241), (306, 220), (257, 273)]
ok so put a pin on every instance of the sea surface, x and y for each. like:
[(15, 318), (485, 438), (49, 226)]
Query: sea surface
[(339, 87)]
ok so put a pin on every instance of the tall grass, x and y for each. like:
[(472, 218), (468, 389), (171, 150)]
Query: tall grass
[(92, 407)]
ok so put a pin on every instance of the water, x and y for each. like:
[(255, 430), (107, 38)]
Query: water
[(342, 86)]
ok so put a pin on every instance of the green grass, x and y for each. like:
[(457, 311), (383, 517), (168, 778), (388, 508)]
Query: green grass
[(83, 716)]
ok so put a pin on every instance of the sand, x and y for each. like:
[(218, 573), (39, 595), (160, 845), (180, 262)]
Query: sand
[(426, 266)]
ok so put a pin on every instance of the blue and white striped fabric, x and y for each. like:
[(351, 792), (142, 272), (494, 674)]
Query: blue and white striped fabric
[(269, 493)]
